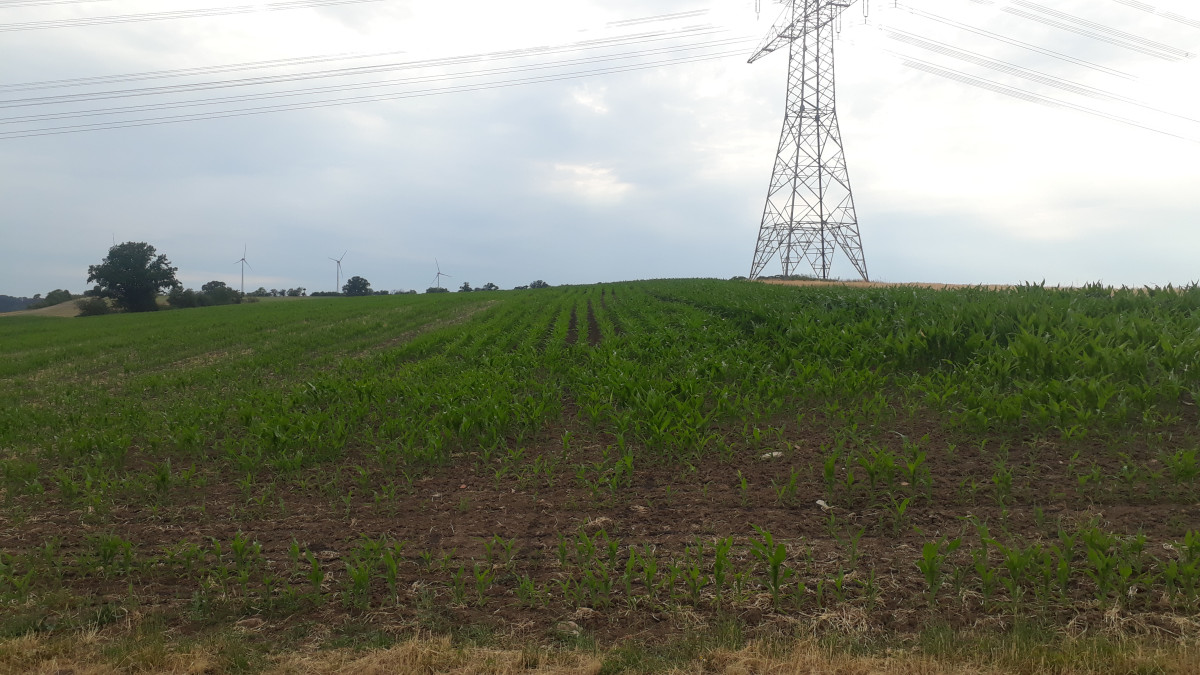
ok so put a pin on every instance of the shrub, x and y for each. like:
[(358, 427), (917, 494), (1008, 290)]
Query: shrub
[(219, 293), (93, 307), (180, 298)]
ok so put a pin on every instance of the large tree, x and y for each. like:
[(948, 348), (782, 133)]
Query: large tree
[(132, 275), (356, 286)]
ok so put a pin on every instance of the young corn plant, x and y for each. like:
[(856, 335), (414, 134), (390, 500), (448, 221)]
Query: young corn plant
[(316, 577), (358, 574), (932, 562), (484, 575), (772, 556), (721, 566)]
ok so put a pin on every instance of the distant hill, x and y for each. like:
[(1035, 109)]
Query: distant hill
[(10, 304)]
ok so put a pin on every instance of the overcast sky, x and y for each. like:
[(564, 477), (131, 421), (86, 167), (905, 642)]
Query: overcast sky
[(657, 172)]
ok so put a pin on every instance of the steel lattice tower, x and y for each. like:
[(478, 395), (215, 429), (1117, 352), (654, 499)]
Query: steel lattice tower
[(810, 206)]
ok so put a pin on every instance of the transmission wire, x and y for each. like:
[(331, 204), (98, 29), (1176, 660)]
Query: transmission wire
[(178, 14), (359, 99), (351, 87)]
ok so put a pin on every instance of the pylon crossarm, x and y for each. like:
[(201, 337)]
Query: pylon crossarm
[(789, 27)]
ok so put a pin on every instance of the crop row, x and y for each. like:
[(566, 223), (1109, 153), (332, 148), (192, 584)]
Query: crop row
[(1087, 566)]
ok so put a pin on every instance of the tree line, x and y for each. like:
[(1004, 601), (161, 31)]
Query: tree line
[(134, 274)]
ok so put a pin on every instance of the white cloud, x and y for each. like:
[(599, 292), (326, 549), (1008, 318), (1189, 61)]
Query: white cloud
[(591, 183), (590, 97)]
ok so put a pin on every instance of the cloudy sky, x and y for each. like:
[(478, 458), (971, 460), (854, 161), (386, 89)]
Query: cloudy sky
[(587, 141)]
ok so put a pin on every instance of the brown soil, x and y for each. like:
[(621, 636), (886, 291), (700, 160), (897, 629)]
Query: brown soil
[(573, 328), (593, 326), (669, 506)]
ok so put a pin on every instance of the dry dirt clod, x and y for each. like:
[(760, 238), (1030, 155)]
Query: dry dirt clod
[(597, 523), (568, 627), (584, 614), (253, 623)]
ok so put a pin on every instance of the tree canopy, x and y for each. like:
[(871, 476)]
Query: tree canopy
[(54, 297), (132, 274), (356, 286)]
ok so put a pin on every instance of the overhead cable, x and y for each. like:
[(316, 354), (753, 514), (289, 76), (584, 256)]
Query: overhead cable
[(177, 14), (1016, 43), (376, 84), (1179, 18), (1024, 95), (362, 99), (643, 38), (1064, 21), (1020, 71)]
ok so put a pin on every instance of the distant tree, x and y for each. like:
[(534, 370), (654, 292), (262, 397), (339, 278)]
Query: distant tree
[(521, 288), (539, 284), (56, 297), (295, 292), (437, 289), (181, 298), (411, 291), (356, 286), (9, 303), (465, 288), (93, 306), (132, 275), (382, 292), (219, 293), (489, 286), (262, 292)]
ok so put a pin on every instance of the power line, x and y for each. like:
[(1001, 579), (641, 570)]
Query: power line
[(642, 38), (179, 72), (362, 99), (4, 4), (1096, 31), (660, 17), (1022, 94), (1013, 42), (945, 49), (178, 14), (375, 84), (325, 58), (1179, 18)]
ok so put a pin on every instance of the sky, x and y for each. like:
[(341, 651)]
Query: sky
[(1087, 169)]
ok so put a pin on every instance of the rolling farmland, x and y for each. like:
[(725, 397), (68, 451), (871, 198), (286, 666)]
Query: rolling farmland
[(582, 467)]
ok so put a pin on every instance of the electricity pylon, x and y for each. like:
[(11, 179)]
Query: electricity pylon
[(810, 207)]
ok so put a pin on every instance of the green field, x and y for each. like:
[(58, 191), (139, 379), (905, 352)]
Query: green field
[(643, 471)]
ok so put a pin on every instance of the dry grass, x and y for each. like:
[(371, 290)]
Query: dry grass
[(62, 310), (90, 655), (438, 655)]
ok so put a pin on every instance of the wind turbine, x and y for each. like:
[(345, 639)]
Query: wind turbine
[(244, 265), (438, 279), (338, 287)]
